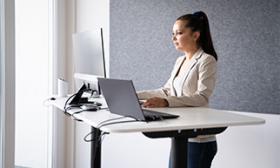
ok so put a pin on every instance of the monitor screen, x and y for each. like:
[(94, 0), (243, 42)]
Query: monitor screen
[(89, 59), (89, 53)]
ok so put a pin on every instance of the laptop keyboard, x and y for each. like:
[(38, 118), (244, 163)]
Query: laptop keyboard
[(155, 116)]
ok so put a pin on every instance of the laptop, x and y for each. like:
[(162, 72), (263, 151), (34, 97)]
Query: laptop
[(121, 99)]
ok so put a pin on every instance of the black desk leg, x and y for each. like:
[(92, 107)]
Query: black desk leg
[(95, 151), (179, 152)]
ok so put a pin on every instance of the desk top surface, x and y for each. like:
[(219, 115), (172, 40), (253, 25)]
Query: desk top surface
[(190, 118)]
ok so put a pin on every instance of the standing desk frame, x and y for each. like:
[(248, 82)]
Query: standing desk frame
[(193, 121)]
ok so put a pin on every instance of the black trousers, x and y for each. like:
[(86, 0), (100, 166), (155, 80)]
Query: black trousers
[(200, 155)]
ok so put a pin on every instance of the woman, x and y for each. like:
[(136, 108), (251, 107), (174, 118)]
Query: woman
[(191, 82)]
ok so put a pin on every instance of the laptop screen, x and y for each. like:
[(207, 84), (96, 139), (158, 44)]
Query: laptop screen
[(121, 97)]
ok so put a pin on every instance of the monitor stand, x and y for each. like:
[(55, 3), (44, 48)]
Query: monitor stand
[(78, 100)]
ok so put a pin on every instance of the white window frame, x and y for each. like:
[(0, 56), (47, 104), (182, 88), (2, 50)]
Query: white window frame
[(62, 142), (7, 98), (1, 70)]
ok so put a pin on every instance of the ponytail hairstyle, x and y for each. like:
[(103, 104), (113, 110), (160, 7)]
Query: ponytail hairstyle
[(198, 21)]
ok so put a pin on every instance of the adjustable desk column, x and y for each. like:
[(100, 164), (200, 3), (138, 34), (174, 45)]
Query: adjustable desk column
[(95, 150), (179, 145)]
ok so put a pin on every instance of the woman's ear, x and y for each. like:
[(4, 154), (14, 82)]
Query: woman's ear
[(196, 35)]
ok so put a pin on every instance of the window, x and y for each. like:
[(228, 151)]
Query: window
[(33, 73)]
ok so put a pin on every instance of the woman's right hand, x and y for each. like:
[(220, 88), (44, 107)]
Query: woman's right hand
[(155, 102)]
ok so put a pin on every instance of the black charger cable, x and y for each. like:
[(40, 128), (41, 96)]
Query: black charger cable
[(104, 123), (73, 106), (118, 122), (99, 139), (112, 119), (90, 133), (95, 138), (66, 102), (70, 107)]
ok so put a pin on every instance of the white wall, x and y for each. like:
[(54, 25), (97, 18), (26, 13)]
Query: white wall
[(250, 146), (93, 14), (32, 86)]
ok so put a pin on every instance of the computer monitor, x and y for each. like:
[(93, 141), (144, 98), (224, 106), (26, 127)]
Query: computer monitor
[(89, 58)]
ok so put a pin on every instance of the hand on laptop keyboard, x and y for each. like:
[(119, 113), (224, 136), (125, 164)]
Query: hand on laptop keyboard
[(156, 102), (141, 102)]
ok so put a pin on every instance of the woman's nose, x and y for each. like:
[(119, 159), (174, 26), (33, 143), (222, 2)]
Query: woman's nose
[(173, 38)]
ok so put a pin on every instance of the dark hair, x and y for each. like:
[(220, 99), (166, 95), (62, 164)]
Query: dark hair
[(198, 21)]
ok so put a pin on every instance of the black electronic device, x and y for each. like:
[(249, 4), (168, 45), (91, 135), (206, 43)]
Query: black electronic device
[(77, 99), (89, 107)]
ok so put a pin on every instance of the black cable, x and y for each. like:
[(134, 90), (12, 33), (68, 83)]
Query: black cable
[(112, 119), (65, 105), (73, 96), (69, 108), (98, 139), (95, 141), (77, 112), (103, 123), (85, 138), (90, 133), (119, 122)]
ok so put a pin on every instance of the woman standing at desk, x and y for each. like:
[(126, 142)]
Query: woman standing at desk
[(192, 80)]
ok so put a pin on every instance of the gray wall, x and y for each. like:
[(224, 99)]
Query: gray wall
[(246, 36)]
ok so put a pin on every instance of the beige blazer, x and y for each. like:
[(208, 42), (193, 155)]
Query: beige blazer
[(199, 78)]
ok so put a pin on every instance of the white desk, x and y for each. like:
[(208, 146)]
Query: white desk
[(193, 121)]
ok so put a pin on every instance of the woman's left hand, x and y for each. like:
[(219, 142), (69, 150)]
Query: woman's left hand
[(156, 102)]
